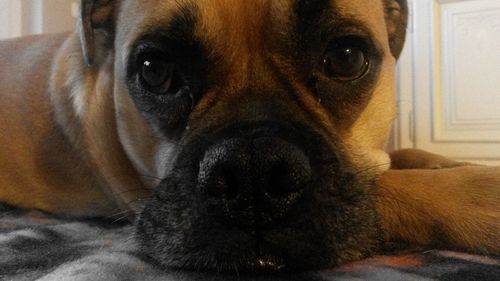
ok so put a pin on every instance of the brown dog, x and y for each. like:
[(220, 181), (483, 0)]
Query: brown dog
[(258, 125)]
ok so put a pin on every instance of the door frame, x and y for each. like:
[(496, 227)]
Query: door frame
[(404, 128)]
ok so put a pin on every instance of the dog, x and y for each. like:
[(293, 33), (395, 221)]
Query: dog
[(245, 135)]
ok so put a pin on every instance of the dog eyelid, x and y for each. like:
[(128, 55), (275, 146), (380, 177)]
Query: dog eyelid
[(351, 28)]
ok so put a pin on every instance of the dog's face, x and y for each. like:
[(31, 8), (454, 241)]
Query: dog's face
[(269, 120)]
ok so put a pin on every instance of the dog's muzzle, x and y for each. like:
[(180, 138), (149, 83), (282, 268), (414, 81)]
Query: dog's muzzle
[(256, 181), (258, 197)]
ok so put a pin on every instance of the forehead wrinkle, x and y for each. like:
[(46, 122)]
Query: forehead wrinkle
[(233, 32), (234, 21)]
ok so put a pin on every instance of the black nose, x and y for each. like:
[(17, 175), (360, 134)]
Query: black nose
[(255, 181)]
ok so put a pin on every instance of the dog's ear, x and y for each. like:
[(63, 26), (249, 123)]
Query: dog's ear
[(94, 15), (396, 17)]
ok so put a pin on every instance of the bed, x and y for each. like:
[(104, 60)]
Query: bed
[(36, 246)]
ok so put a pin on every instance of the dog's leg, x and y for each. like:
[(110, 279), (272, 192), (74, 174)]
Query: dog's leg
[(419, 159), (456, 207)]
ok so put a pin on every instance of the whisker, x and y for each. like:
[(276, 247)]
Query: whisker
[(121, 213), (151, 177), (123, 217)]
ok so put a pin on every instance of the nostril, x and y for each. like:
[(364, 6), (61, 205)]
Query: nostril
[(260, 179), (278, 182), (229, 184), (285, 178), (223, 183)]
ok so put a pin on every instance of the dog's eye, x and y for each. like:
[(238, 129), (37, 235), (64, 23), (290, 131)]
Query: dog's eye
[(156, 73), (345, 60)]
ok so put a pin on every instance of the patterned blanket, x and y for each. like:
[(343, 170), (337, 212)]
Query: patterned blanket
[(34, 246)]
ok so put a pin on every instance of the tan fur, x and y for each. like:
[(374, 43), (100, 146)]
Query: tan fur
[(97, 134), (419, 159), (456, 207), (369, 134), (39, 167)]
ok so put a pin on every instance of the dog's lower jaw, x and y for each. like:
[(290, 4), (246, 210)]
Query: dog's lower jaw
[(176, 231), (249, 262)]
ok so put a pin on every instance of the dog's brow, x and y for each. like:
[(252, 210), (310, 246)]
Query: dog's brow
[(182, 23), (180, 26), (342, 24), (308, 11), (313, 13)]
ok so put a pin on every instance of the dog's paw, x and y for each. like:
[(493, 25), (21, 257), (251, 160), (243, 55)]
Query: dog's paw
[(455, 208), (419, 159)]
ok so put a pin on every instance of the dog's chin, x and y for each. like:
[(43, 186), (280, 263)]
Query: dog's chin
[(219, 248), (179, 229)]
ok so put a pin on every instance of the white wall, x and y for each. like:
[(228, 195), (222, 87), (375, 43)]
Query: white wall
[(10, 20), (26, 17)]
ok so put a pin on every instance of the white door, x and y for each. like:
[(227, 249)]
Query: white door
[(450, 80)]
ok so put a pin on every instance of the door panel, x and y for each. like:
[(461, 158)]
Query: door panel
[(467, 61)]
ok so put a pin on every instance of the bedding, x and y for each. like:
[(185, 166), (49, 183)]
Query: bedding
[(36, 246)]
